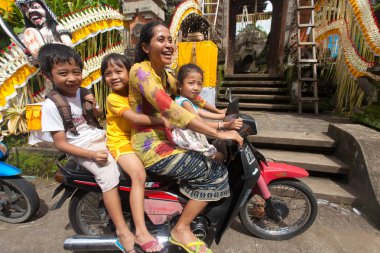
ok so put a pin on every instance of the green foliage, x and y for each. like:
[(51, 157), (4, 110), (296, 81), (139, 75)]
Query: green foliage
[(16, 140), (369, 117), (14, 19), (327, 103), (60, 7), (326, 79), (290, 74), (33, 164), (168, 16), (376, 7)]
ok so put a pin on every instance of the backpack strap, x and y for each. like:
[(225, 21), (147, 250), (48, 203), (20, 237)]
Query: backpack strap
[(64, 110), (87, 109)]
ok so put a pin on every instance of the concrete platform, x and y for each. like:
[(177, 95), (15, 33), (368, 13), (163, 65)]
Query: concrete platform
[(332, 191), (294, 122), (308, 161), (258, 97), (255, 90), (257, 83), (261, 106), (293, 139)]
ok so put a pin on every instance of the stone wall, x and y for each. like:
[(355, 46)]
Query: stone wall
[(140, 12), (359, 147)]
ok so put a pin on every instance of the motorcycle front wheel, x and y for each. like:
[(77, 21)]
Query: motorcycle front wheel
[(88, 214), (19, 200), (295, 203)]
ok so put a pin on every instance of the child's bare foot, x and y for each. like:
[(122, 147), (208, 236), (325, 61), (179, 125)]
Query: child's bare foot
[(147, 242), (127, 240)]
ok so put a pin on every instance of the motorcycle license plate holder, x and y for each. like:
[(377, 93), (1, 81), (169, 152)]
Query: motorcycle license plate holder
[(251, 173)]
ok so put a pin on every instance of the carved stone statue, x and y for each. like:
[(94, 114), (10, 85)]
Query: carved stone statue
[(370, 87), (40, 22), (250, 47), (42, 27)]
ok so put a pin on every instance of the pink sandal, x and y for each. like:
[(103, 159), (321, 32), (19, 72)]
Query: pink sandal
[(148, 245)]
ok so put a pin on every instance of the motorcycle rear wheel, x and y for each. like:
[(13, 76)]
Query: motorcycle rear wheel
[(20, 200), (293, 199), (89, 216)]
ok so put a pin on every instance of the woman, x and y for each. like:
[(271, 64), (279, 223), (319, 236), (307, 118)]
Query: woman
[(201, 179)]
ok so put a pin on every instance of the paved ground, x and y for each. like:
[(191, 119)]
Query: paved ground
[(337, 230)]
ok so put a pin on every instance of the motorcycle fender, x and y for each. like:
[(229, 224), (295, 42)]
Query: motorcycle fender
[(240, 189), (66, 194), (276, 170), (7, 170)]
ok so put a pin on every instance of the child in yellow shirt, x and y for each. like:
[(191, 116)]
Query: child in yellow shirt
[(120, 118)]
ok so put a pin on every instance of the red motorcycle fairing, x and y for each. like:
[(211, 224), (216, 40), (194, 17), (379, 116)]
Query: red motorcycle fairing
[(158, 204), (276, 170)]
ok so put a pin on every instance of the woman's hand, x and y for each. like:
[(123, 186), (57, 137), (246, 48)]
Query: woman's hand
[(234, 124), (167, 123), (231, 135)]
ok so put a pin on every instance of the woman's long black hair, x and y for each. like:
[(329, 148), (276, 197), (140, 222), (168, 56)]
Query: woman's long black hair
[(146, 34)]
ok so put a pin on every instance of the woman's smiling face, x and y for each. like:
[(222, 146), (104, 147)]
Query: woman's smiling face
[(160, 49)]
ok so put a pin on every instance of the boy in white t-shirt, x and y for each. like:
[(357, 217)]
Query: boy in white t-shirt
[(87, 146)]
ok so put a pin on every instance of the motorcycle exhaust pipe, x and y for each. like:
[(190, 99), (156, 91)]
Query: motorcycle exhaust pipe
[(97, 243)]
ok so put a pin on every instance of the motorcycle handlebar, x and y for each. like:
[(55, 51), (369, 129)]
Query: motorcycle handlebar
[(249, 124)]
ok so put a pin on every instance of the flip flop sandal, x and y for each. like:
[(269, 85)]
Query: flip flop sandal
[(121, 247), (148, 245), (187, 247)]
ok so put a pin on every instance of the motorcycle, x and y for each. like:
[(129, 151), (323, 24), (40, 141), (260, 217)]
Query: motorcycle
[(19, 200), (271, 202)]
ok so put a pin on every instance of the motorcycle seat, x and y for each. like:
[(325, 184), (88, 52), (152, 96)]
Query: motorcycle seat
[(74, 168)]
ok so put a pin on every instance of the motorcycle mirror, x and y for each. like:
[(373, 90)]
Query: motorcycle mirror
[(233, 107)]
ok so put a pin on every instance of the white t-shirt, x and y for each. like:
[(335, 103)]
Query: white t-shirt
[(52, 121)]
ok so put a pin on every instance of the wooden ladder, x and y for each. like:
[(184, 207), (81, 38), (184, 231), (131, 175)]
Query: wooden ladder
[(307, 62), (213, 11), (210, 9)]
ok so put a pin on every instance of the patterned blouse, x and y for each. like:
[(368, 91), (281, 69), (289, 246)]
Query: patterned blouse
[(147, 94)]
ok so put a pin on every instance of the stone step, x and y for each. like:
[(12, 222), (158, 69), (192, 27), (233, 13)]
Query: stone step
[(293, 140), (255, 90), (253, 83), (308, 161), (253, 77), (261, 106), (257, 97), (331, 190)]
